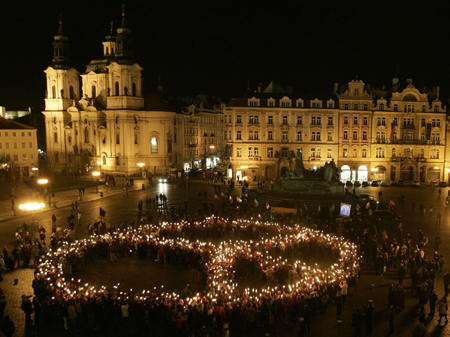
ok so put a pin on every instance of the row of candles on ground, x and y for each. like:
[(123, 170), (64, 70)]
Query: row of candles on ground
[(220, 273)]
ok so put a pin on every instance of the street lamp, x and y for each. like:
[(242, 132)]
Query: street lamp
[(32, 207)]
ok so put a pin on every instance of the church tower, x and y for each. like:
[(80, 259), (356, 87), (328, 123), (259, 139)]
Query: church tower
[(62, 91), (125, 79), (62, 80)]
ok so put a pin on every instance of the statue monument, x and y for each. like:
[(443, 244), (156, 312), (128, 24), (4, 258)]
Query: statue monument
[(324, 180)]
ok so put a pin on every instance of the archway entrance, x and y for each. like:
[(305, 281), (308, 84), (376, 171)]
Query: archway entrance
[(284, 169), (271, 172), (434, 173), (380, 173), (363, 173), (407, 173), (345, 173)]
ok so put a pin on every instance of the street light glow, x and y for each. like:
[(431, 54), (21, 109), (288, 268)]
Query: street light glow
[(34, 169), (140, 164), (42, 181), (31, 206), (96, 173), (99, 163), (374, 169)]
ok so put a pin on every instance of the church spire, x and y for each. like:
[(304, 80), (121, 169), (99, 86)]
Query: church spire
[(124, 41), (61, 59)]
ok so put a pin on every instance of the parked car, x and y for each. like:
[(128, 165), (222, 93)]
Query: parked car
[(384, 183), (442, 184), (365, 183), (375, 183), (357, 183), (348, 183), (386, 216), (416, 183)]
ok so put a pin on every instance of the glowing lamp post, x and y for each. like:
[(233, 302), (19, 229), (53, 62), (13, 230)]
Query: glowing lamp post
[(32, 207), (141, 166), (95, 174)]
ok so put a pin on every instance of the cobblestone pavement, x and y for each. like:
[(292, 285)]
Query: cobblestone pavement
[(121, 209)]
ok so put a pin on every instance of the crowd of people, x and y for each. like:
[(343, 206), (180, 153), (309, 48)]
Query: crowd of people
[(244, 248)]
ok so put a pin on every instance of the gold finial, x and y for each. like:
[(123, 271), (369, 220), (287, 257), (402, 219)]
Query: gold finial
[(123, 9), (60, 18)]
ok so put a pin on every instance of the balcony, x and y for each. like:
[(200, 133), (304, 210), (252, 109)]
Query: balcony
[(381, 141), (257, 158), (407, 141), (408, 127), (314, 158)]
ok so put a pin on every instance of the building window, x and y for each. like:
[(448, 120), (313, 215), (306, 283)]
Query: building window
[(238, 119), (23, 145), (31, 156), (423, 122), (16, 157), (117, 119), (299, 120), (313, 120), (14, 134), (364, 153), (329, 153), (364, 135), (29, 134), (250, 119), (270, 152), (30, 145), (116, 87), (330, 120), (355, 135), (271, 104), (345, 134), (434, 154), (438, 123), (395, 107), (344, 153), (239, 134), (346, 106), (238, 152), (436, 108), (7, 145), (15, 145), (355, 153), (285, 119), (256, 119), (55, 137), (394, 152), (366, 107), (24, 157), (154, 145), (270, 135), (250, 152), (319, 120), (23, 134), (270, 120), (285, 136), (345, 120), (94, 91), (355, 120), (133, 89), (380, 152), (365, 121), (135, 138), (284, 152), (299, 135), (117, 138), (250, 135), (256, 135), (86, 135), (355, 107), (410, 135), (381, 107), (330, 136), (299, 104), (71, 93)]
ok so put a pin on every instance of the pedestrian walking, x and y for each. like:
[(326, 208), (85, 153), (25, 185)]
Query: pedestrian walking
[(433, 300), (443, 308), (8, 328)]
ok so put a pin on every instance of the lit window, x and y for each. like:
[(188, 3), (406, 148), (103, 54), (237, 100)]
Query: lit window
[(154, 145)]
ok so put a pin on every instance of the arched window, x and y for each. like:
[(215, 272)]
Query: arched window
[(71, 92), (54, 120), (117, 138), (94, 91), (117, 119), (154, 145), (86, 135), (116, 88), (55, 135), (134, 92), (53, 91)]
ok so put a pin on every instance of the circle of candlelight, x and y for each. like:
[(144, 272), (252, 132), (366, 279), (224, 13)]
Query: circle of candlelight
[(222, 257), (32, 206)]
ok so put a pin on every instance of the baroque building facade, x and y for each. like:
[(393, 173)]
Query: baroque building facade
[(370, 134), (104, 121)]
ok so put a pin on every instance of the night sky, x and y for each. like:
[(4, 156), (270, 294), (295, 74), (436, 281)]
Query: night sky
[(214, 47)]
